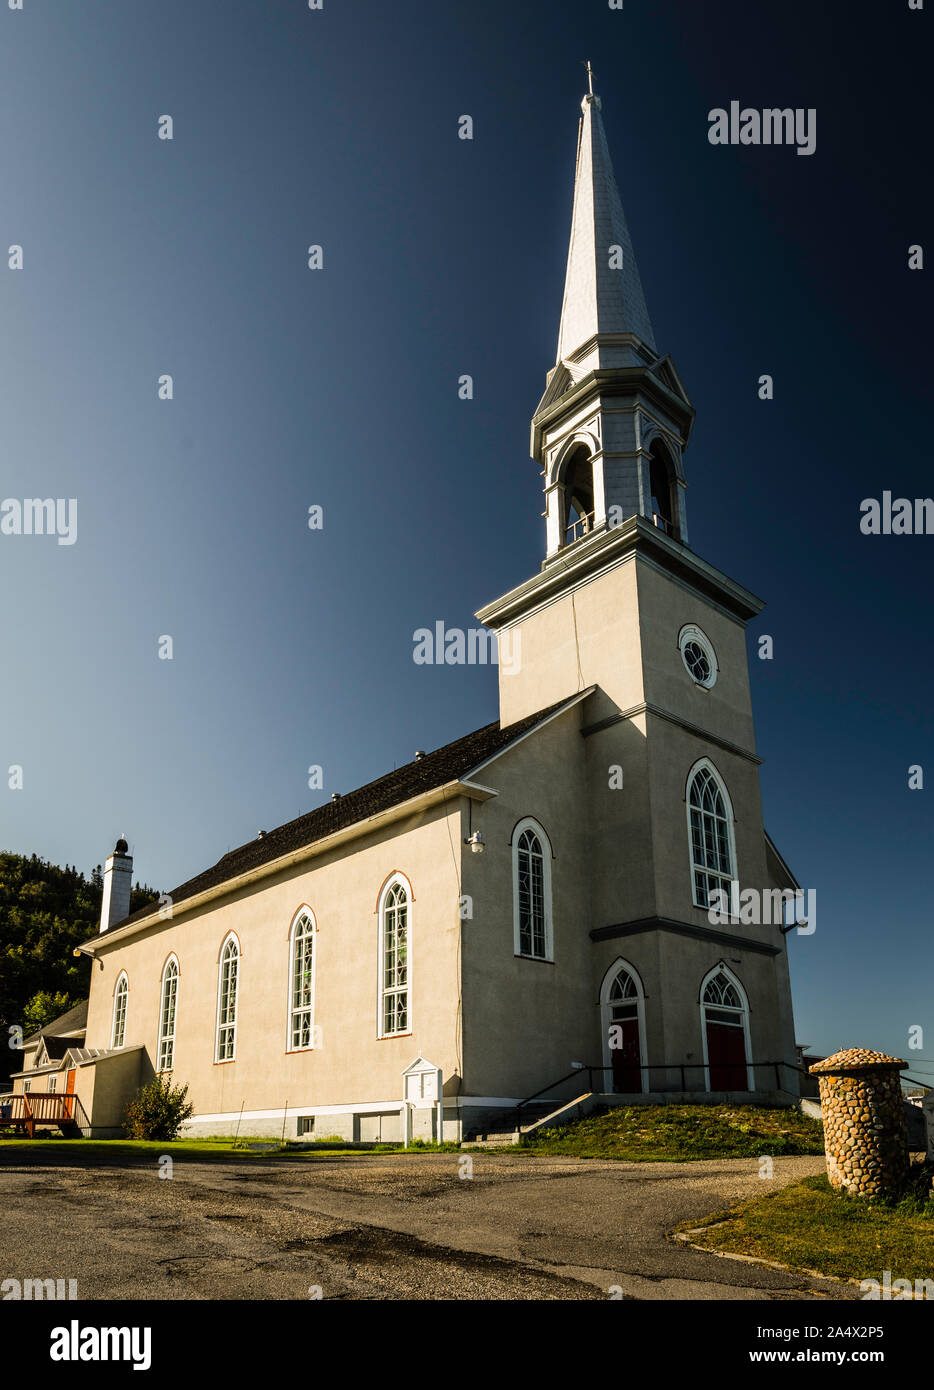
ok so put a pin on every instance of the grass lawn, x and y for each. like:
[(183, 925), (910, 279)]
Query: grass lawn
[(200, 1149), (638, 1133), (809, 1227), (676, 1133), (128, 1148)]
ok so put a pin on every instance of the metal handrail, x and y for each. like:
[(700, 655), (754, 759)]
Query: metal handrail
[(681, 1067)]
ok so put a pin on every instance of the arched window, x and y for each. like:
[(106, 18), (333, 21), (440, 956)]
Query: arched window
[(394, 943), (660, 483), (623, 1025), (725, 1024), (167, 1015), (710, 825), (118, 1030), (531, 874), (301, 981), (227, 982), (578, 495)]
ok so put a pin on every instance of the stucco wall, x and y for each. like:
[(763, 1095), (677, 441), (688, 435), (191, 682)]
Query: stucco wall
[(351, 1063)]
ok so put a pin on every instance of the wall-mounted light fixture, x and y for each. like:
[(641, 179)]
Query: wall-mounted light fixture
[(475, 841)]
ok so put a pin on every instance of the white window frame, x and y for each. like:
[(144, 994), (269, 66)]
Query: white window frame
[(529, 823), (231, 1025), (394, 880), (304, 912), (121, 996), (606, 1018), (167, 1038), (747, 1039), (704, 764), (692, 633)]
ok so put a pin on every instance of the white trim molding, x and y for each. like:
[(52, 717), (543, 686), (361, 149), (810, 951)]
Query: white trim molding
[(705, 765), (606, 1018), (736, 982), (304, 912), (528, 823), (394, 881)]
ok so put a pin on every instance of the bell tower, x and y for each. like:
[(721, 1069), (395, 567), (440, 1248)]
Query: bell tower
[(610, 434), (624, 612), (611, 429)]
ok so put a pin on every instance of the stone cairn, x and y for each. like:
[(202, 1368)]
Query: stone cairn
[(865, 1137)]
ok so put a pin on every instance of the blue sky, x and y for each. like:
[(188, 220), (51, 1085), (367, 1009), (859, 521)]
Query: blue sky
[(339, 388)]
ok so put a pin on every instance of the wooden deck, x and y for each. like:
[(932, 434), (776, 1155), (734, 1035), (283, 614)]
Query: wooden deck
[(24, 1112)]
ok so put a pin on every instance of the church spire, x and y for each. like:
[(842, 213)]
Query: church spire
[(611, 429), (602, 292)]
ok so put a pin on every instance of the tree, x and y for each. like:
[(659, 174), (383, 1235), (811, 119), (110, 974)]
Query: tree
[(43, 1007)]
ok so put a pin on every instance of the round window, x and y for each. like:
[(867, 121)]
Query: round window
[(698, 655)]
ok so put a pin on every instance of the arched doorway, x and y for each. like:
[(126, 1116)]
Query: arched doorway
[(622, 1008), (725, 1023)]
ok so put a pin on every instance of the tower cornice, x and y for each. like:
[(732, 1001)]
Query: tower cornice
[(606, 382), (603, 550)]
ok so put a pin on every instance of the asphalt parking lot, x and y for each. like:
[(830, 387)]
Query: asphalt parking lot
[(427, 1226)]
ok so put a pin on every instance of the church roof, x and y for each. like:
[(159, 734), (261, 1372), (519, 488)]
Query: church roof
[(66, 1025), (447, 764), (599, 298)]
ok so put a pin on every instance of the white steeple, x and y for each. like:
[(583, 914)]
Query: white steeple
[(602, 290), (611, 429)]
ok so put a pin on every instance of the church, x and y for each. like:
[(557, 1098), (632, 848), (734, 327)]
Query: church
[(462, 935)]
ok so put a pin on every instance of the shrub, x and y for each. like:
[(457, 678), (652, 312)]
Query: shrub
[(158, 1110)]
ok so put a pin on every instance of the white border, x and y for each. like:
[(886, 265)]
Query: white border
[(218, 1060), (618, 965), (730, 818), (113, 1013), (529, 822), (160, 1038), (747, 1041), (692, 633), (303, 911), (392, 880)]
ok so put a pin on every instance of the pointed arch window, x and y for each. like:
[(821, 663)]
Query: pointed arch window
[(394, 945), (121, 994), (169, 1000), (531, 871), (710, 826), (228, 981), (302, 982)]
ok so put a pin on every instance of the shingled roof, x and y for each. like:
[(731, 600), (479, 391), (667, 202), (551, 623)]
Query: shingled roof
[(424, 774), (66, 1025)]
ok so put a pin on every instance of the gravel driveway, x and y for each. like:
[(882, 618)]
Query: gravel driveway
[(428, 1226)]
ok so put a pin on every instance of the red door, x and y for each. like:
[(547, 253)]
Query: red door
[(625, 1054), (70, 1091), (726, 1056)]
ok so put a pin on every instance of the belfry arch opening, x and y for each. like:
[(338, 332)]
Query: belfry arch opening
[(663, 507), (577, 495)]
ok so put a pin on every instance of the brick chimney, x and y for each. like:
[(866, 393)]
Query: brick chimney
[(118, 878)]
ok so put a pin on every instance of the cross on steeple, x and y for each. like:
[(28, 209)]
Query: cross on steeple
[(590, 76)]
